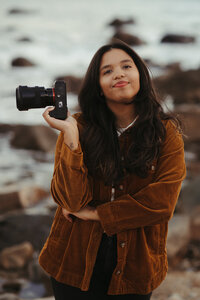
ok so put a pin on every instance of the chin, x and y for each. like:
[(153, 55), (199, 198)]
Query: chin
[(126, 101)]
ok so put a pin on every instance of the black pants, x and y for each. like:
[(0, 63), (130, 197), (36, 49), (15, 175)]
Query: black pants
[(103, 269)]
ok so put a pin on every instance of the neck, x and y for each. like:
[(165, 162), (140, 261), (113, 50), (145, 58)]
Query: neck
[(125, 114)]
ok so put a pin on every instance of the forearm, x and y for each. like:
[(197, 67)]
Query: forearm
[(87, 213), (71, 141), (71, 187), (145, 208)]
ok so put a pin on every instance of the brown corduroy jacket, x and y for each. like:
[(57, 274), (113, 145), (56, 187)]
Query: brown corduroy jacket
[(138, 215)]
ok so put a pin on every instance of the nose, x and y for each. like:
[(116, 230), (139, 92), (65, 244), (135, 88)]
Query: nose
[(119, 74)]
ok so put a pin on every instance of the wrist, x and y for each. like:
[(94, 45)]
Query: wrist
[(96, 215)]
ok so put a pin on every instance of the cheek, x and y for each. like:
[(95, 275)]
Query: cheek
[(105, 87), (137, 81)]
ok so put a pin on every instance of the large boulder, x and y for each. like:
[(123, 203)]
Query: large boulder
[(15, 11), (183, 86), (118, 22), (178, 238), (22, 62), (127, 38), (24, 39), (190, 197), (12, 198), (179, 285), (9, 296), (16, 256), (37, 137), (18, 228), (5, 128), (195, 224), (190, 117), (178, 38)]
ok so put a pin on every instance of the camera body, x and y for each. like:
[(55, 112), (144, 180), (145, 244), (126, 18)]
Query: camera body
[(38, 97)]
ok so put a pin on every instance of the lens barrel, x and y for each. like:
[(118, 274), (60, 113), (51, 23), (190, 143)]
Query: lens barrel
[(34, 97)]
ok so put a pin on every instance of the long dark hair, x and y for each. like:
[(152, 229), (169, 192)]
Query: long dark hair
[(99, 139)]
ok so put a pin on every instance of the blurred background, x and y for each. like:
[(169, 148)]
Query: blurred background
[(42, 41)]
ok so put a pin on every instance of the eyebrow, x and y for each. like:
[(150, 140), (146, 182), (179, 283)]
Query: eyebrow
[(122, 61)]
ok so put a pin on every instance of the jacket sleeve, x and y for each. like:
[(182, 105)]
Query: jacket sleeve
[(156, 202), (70, 185)]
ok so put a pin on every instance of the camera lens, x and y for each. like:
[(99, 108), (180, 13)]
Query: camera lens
[(34, 97)]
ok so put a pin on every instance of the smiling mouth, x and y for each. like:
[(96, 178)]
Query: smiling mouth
[(120, 84)]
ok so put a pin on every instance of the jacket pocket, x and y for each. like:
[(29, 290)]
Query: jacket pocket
[(61, 227)]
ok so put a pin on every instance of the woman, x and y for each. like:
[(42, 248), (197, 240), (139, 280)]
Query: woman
[(119, 165)]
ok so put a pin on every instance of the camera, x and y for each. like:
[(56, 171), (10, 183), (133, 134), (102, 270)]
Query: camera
[(38, 97)]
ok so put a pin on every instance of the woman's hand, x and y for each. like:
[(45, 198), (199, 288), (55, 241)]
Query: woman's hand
[(87, 213), (68, 127)]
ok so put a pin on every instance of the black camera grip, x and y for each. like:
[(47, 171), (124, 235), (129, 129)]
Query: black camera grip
[(60, 110)]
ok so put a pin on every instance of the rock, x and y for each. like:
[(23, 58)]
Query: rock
[(118, 22), (9, 201), (21, 62), (176, 66), (9, 296), (24, 39), (46, 298), (183, 86), (127, 38), (12, 198), (32, 290), (191, 123), (16, 256), (195, 224), (35, 271), (192, 255), (193, 169), (175, 296), (5, 128), (181, 285), (37, 137), (189, 114), (30, 196), (11, 286), (73, 83), (18, 11), (190, 196), (177, 38), (17, 228), (178, 238)]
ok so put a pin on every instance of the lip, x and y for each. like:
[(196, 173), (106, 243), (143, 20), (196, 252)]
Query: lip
[(120, 84)]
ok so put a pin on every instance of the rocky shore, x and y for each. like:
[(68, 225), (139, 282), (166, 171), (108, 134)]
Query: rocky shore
[(27, 209)]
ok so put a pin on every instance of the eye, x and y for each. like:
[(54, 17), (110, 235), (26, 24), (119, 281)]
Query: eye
[(108, 71), (127, 66)]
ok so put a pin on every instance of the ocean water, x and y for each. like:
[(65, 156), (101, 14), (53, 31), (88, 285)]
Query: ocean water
[(65, 34)]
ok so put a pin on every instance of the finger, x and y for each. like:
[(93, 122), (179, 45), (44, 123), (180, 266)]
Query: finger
[(66, 214), (68, 218), (46, 113)]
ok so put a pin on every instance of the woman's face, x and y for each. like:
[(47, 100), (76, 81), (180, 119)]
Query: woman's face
[(119, 77)]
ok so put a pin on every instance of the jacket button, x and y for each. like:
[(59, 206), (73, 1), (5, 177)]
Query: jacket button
[(122, 244), (118, 272), (121, 187)]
